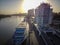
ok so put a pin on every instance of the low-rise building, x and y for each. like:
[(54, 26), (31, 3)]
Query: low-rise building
[(21, 33), (31, 14)]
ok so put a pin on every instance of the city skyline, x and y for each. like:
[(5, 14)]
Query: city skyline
[(29, 22), (16, 6)]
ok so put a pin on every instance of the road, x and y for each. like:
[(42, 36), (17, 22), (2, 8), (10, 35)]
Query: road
[(32, 36), (35, 39)]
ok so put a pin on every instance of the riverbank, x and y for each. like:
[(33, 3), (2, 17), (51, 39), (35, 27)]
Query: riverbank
[(4, 16)]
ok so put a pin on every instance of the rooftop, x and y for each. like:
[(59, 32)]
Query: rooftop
[(22, 25)]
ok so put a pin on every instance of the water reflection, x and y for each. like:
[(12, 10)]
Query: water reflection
[(7, 27)]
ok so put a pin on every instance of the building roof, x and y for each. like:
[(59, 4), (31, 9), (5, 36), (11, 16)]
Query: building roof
[(44, 5), (22, 25)]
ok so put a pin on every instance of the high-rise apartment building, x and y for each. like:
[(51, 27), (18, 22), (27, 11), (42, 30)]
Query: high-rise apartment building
[(43, 15)]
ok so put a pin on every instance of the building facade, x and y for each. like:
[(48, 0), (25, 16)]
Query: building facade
[(31, 14), (43, 15)]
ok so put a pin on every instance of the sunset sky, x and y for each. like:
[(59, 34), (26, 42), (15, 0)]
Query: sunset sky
[(22, 6)]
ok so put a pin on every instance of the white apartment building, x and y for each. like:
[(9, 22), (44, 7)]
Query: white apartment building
[(43, 15)]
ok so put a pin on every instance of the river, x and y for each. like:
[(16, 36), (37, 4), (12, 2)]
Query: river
[(8, 26)]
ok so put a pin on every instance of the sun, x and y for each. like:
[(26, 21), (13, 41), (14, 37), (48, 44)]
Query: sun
[(29, 4)]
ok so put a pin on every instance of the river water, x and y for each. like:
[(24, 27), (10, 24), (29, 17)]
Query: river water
[(8, 26)]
